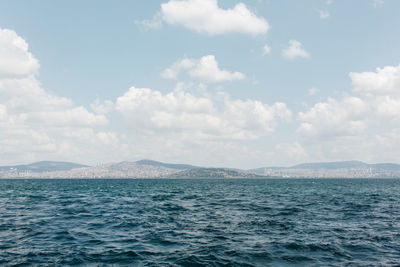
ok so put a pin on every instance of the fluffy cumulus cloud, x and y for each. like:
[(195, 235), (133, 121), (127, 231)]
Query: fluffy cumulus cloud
[(201, 117), (378, 101), (37, 125), (193, 125), (205, 129), (25, 97), (102, 108), (205, 69), (16, 60), (385, 81), (33, 122), (337, 129), (381, 89), (295, 50), (334, 118), (205, 16)]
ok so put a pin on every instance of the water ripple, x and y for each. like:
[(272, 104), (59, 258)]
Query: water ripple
[(200, 222)]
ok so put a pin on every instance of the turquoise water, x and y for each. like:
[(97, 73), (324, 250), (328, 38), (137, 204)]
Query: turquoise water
[(203, 222)]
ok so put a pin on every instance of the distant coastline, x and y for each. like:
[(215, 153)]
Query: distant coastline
[(155, 169)]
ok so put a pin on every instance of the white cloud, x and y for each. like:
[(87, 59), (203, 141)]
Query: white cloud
[(16, 60), (34, 124), (323, 14), (25, 97), (102, 108), (295, 50), (382, 82), (387, 106), (205, 70), (173, 71), (381, 89), (266, 49), (205, 16), (361, 127), (22, 94), (200, 117), (334, 118)]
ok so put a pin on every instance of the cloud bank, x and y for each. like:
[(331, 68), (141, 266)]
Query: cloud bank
[(185, 124), (205, 16), (200, 116)]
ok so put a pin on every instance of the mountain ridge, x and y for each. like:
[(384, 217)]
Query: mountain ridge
[(155, 169), (167, 165)]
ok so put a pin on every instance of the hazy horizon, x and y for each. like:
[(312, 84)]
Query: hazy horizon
[(197, 165), (204, 82)]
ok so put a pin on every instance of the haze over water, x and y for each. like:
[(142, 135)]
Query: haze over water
[(201, 222)]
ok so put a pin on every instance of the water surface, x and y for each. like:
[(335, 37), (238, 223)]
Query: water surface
[(202, 222)]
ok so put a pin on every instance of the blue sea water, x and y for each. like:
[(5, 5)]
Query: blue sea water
[(200, 222)]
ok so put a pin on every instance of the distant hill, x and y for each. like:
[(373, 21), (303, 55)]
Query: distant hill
[(124, 169), (212, 173), (386, 166), (331, 165), (347, 165), (353, 164), (155, 169), (43, 166), (344, 169), (166, 165)]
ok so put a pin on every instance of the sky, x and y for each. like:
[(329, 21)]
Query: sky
[(225, 83)]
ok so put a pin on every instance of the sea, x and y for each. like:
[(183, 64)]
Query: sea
[(200, 222)]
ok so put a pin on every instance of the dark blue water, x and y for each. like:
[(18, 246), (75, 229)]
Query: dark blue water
[(203, 222)]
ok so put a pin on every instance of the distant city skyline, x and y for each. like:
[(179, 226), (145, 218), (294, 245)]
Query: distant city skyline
[(155, 169), (212, 83)]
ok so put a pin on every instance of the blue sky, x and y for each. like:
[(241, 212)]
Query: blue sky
[(103, 81)]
